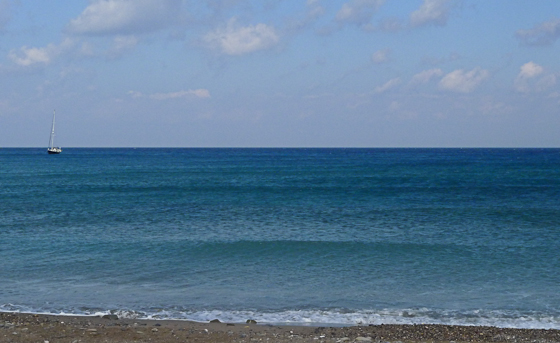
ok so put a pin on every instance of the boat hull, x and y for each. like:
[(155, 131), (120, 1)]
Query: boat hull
[(54, 151)]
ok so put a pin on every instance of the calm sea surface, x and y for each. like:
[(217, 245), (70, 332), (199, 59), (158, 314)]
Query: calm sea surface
[(322, 236)]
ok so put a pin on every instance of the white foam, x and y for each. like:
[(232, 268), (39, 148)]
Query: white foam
[(330, 317), (376, 317)]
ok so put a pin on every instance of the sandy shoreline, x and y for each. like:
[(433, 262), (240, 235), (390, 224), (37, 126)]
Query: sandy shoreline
[(19, 327)]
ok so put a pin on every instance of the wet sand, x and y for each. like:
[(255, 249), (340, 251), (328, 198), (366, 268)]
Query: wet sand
[(18, 327)]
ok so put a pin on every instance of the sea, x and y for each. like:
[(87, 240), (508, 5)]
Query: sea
[(327, 237)]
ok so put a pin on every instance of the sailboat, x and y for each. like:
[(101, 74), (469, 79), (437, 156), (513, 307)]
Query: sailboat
[(51, 149)]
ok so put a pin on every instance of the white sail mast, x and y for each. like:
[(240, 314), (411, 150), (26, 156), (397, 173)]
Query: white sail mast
[(51, 140), (51, 149)]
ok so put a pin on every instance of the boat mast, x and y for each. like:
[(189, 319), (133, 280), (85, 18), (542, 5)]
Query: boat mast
[(51, 141)]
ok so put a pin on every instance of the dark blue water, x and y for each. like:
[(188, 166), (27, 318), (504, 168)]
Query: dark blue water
[(323, 236)]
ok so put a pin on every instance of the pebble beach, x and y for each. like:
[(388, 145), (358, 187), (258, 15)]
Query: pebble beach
[(20, 327)]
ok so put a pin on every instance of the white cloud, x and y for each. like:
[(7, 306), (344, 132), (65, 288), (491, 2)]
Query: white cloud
[(463, 81), (121, 44), (530, 69), (104, 17), (358, 11), (426, 76), (238, 40), (298, 23), (381, 56), (430, 12), (542, 34), (199, 93), (388, 85), (528, 79), (29, 56)]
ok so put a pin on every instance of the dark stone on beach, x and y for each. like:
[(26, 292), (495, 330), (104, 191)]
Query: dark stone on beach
[(251, 321), (32, 328), (111, 317), (215, 321)]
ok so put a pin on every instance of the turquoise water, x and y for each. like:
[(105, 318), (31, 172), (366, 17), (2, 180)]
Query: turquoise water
[(322, 236)]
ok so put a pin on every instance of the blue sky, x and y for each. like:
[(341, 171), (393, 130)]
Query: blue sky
[(280, 73)]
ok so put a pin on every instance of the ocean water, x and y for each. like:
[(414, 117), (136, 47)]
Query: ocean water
[(299, 236)]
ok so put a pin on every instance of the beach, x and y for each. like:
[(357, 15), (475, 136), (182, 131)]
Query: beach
[(21, 327)]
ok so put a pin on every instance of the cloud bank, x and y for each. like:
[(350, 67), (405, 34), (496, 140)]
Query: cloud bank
[(107, 17), (430, 12), (388, 85), (30, 56), (543, 34), (463, 81), (358, 11), (533, 78), (426, 76), (233, 39)]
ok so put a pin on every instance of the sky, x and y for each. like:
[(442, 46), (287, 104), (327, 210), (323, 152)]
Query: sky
[(280, 73)]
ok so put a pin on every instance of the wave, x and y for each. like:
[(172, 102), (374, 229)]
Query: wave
[(324, 317)]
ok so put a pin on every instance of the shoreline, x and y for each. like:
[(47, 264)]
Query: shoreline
[(27, 327)]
